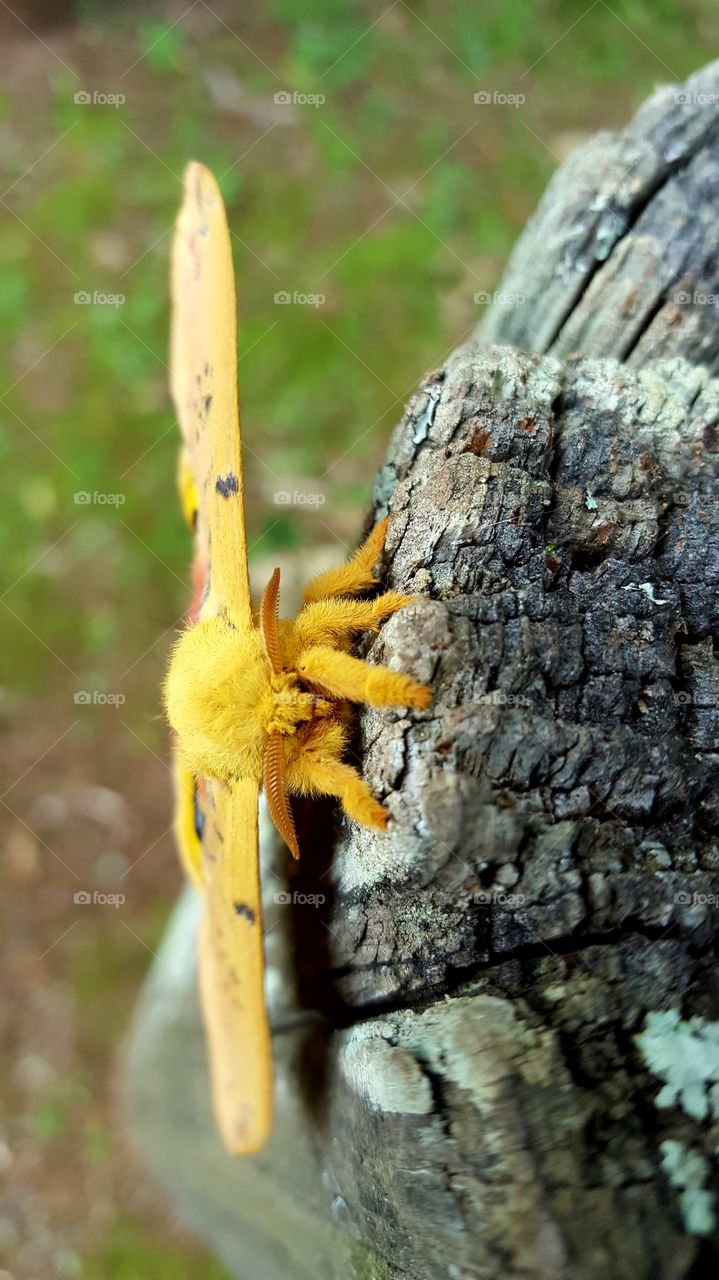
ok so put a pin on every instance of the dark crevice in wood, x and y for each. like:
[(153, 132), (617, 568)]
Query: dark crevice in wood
[(460, 980), (629, 221)]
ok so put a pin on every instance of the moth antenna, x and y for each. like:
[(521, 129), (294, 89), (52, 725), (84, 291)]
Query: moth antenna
[(275, 789), (268, 622)]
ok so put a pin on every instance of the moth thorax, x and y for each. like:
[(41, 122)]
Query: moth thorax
[(285, 707), (216, 694)]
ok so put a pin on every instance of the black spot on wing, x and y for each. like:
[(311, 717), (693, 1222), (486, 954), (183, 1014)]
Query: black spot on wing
[(227, 485), (247, 912), (207, 404), (227, 621)]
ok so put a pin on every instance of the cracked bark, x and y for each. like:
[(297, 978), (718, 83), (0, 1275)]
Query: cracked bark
[(459, 1090)]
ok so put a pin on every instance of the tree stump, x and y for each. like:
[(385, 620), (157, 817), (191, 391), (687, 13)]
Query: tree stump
[(497, 1037)]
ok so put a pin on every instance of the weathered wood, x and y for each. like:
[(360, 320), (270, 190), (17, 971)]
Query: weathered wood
[(461, 1090), (620, 258)]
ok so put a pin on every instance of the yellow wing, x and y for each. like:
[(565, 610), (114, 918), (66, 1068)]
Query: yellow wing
[(232, 970), (203, 379), (187, 840), (204, 389)]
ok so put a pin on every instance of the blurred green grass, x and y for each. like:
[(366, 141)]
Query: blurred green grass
[(133, 1254)]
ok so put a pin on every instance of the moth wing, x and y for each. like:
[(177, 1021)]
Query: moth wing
[(231, 969), (203, 381), (187, 840), (204, 388)]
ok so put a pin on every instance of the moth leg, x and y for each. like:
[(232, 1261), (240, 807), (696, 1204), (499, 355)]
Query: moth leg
[(313, 774), (334, 621), (354, 576), (347, 677)]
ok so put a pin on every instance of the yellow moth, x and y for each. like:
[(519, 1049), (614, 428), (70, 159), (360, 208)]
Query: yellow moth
[(254, 700)]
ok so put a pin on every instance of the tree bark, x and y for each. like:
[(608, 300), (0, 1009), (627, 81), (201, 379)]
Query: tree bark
[(497, 1040)]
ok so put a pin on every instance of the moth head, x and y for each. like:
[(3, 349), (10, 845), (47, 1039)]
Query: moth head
[(218, 696)]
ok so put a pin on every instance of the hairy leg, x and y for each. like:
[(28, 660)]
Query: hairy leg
[(313, 774), (334, 621), (354, 576), (347, 677)]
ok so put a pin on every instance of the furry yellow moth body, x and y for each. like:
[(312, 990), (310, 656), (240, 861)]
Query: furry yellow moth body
[(253, 700)]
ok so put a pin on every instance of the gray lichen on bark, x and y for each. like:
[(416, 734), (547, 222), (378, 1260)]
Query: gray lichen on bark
[(461, 1092)]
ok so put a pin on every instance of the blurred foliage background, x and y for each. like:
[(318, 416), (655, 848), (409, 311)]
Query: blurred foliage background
[(382, 187)]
